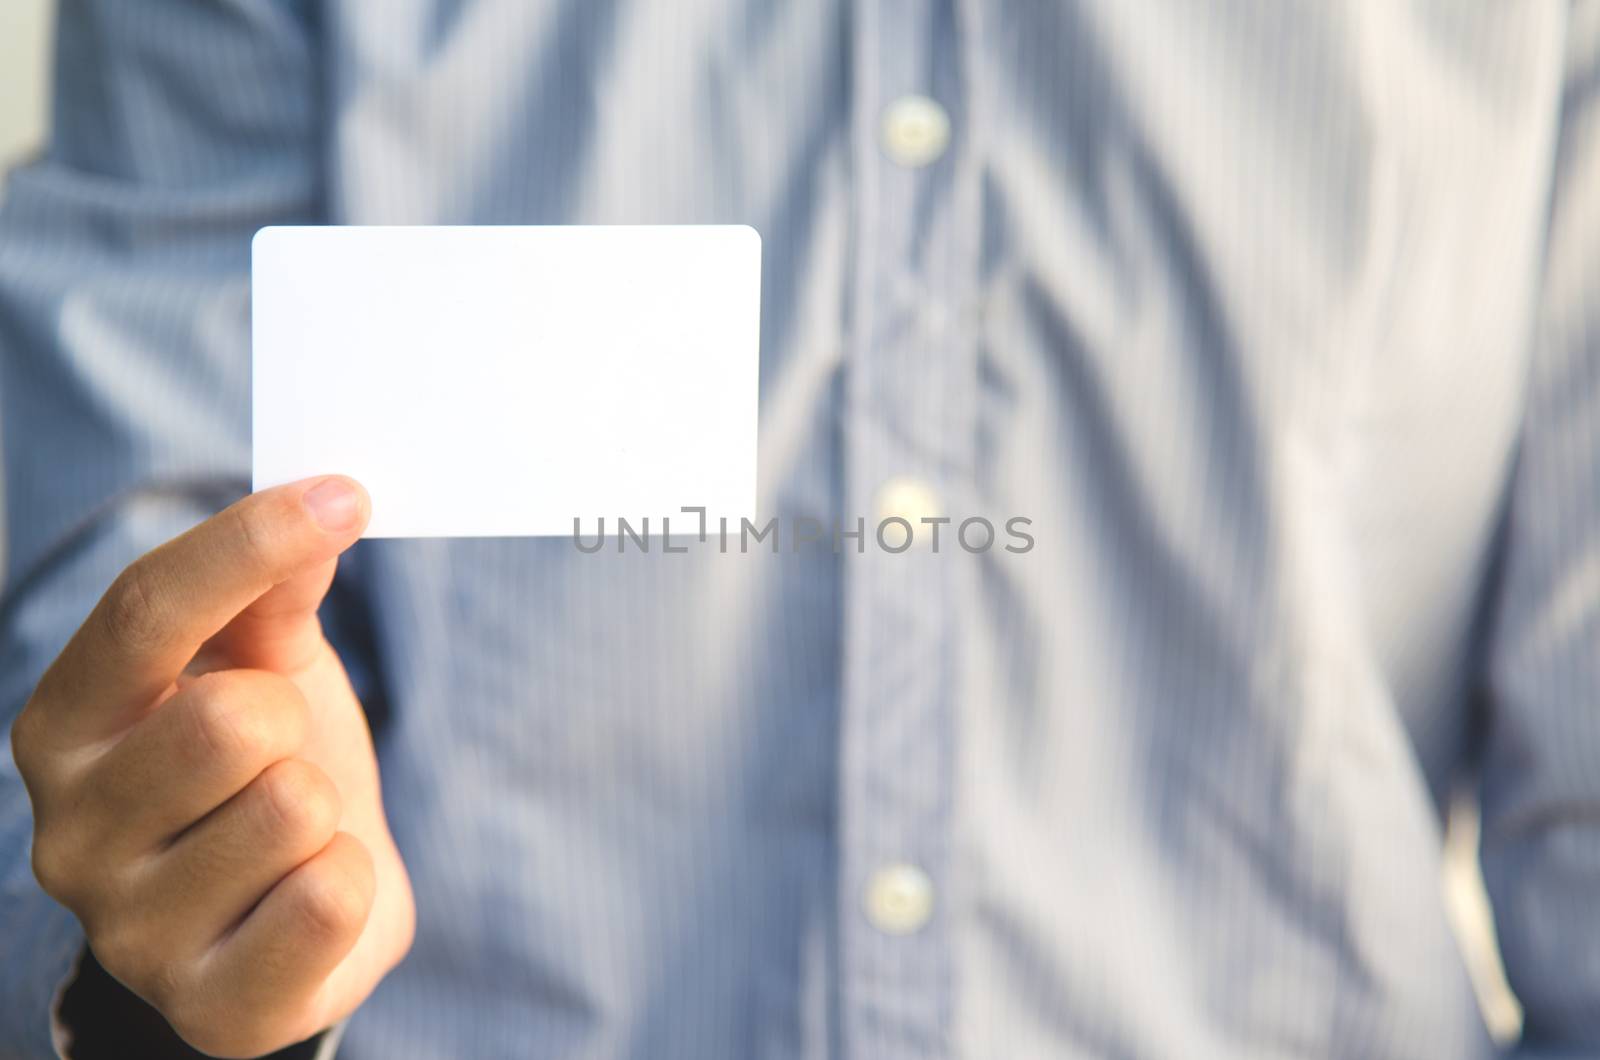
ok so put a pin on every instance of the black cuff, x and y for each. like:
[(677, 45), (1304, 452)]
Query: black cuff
[(107, 1021)]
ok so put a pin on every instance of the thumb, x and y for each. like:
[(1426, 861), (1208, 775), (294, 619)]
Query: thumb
[(279, 630), (171, 601)]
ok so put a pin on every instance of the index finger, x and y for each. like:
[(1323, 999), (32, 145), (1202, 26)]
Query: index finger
[(160, 610)]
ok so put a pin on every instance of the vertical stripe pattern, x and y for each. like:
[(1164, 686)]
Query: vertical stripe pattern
[(1275, 324)]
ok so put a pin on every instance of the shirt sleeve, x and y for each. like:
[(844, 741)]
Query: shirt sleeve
[(97, 1018), (1541, 771), (177, 130)]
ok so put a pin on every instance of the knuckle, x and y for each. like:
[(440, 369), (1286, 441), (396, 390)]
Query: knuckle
[(300, 800), (164, 985), (213, 726), (139, 954), (122, 950), (24, 734), (331, 905), (53, 865), (219, 720), (245, 715), (279, 714), (133, 616)]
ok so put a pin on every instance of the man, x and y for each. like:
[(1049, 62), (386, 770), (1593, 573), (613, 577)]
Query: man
[(1277, 322)]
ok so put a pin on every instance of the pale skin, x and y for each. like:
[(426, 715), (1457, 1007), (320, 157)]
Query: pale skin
[(204, 788)]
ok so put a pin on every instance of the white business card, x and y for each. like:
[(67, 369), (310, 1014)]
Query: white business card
[(510, 380)]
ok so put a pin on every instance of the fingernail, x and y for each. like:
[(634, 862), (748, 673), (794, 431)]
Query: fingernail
[(334, 504)]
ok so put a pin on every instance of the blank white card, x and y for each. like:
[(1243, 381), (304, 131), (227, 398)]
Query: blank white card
[(508, 380)]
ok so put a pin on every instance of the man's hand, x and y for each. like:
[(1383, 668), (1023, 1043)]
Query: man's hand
[(204, 787)]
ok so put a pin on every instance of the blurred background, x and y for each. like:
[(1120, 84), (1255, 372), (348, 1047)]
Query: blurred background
[(24, 66), (24, 72)]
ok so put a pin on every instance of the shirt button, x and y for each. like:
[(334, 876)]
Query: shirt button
[(899, 899), (909, 499), (916, 130)]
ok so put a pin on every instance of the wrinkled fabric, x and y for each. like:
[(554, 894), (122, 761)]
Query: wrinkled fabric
[(1278, 323)]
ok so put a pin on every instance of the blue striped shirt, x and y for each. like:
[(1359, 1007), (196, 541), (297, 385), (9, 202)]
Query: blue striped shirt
[(1278, 322)]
